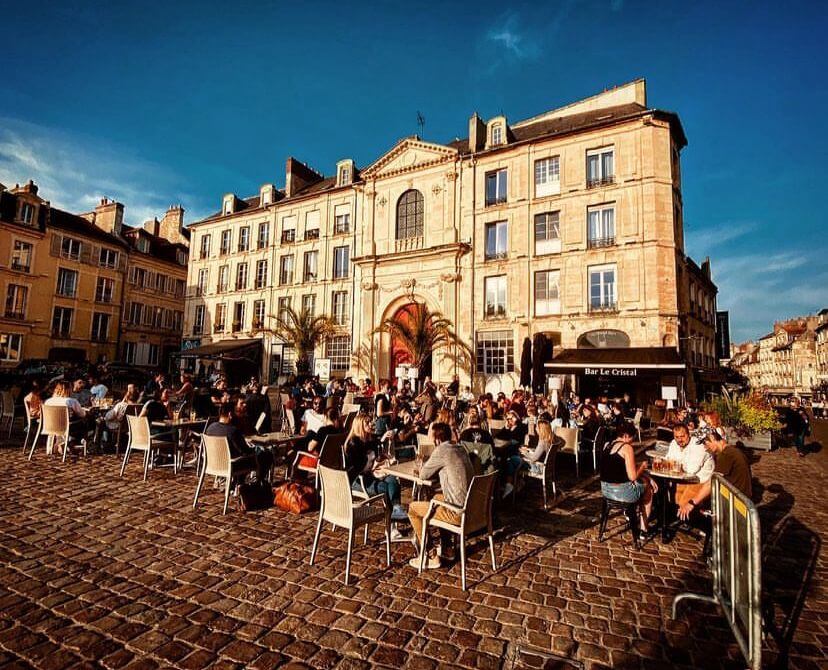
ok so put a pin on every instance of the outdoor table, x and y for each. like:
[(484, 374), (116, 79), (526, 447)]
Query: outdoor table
[(657, 452), (667, 485), (405, 471)]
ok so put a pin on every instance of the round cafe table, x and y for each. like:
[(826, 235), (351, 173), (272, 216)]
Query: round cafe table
[(667, 486)]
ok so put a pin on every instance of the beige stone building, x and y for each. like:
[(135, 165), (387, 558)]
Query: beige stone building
[(569, 223), (64, 279), (785, 361)]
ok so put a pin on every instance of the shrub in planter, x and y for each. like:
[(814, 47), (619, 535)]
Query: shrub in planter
[(746, 414)]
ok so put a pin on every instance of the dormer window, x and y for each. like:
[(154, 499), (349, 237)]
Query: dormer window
[(266, 195), (497, 134), (228, 204), (143, 245), (344, 172), (27, 213), (181, 257)]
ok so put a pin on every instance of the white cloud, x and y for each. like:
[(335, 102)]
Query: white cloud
[(759, 289), (74, 174), (706, 241)]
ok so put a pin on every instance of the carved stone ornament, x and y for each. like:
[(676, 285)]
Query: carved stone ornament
[(408, 283), (369, 286), (450, 277), (382, 201), (436, 189)]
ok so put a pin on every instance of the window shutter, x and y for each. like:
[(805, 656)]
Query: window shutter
[(86, 253), (54, 248)]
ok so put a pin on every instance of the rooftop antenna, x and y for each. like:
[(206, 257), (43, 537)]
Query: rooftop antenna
[(421, 123)]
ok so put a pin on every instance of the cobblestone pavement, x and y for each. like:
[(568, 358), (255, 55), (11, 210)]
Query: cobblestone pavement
[(101, 571)]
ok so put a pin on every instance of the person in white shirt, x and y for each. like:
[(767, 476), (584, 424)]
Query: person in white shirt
[(314, 418), (695, 460), (62, 397), (99, 390)]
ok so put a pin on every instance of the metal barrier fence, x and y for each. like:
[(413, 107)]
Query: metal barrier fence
[(737, 567)]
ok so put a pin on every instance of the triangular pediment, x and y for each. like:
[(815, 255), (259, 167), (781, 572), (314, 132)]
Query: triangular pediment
[(407, 155)]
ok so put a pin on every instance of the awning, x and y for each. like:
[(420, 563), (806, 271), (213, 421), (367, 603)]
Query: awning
[(229, 350), (628, 362)]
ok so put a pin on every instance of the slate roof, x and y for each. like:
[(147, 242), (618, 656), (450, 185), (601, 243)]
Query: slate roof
[(77, 224), (159, 248)]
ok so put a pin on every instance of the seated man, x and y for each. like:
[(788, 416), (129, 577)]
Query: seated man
[(81, 393), (731, 463), (314, 418), (452, 464), (263, 460), (693, 458)]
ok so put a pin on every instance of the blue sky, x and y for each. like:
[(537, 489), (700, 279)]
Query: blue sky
[(158, 103)]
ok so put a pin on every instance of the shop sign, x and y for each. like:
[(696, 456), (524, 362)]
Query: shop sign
[(186, 345), (611, 372)]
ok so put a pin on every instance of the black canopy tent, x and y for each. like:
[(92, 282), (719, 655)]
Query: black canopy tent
[(640, 371), (240, 358)]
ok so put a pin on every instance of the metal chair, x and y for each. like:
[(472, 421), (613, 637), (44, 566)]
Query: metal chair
[(140, 439), (629, 509), (475, 519), (598, 443), (339, 508), (219, 463), (571, 445)]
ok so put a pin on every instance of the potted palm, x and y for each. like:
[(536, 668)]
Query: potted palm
[(424, 332), (748, 418), (305, 332)]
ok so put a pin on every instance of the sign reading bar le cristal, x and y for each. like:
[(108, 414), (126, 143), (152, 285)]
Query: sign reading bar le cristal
[(611, 372)]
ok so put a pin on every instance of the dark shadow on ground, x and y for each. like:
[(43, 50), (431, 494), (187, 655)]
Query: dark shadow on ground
[(789, 561)]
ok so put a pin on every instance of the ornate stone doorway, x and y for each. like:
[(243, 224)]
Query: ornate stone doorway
[(399, 355)]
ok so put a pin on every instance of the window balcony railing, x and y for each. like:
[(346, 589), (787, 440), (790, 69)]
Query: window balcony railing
[(313, 234), (237, 326), (203, 255), (218, 328), (498, 200), (601, 181), (496, 255), (285, 279), (495, 311), (103, 298), (222, 288), (60, 334), (66, 293), (198, 329), (603, 307), (15, 314), (258, 324), (241, 285), (600, 242), (409, 244), (288, 236)]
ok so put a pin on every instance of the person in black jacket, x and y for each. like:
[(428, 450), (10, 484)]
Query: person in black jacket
[(797, 425), (262, 460)]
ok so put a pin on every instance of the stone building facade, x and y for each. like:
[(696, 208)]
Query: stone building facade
[(64, 279), (569, 223)]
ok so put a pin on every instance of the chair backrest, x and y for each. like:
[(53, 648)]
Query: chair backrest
[(139, 434), (570, 438), (347, 408), (479, 502), (348, 399), (260, 421), (483, 451), (349, 421), (217, 455), (331, 454), (55, 420), (600, 438), (8, 404), (134, 409), (337, 500), (637, 418), (291, 421), (496, 424), (425, 450), (424, 440)]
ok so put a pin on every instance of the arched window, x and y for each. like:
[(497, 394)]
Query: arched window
[(604, 339), (410, 215)]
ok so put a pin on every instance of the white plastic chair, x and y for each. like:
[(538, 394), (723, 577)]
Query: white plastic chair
[(219, 463), (636, 422), (330, 454), (260, 421), (545, 468), (339, 508), (140, 439), (54, 425), (475, 519), (571, 444)]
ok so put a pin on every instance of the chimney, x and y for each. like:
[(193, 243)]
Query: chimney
[(477, 133), (172, 224), (109, 216), (298, 176), (151, 226)]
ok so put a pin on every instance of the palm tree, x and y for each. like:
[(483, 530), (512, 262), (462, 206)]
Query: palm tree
[(305, 332), (424, 332)]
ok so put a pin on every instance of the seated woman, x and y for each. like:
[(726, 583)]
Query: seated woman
[(546, 440), (158, 408), (476, 429), (115, 416), (361, 449), (446, 416), (511, 438), (34, 400), (624, 481)]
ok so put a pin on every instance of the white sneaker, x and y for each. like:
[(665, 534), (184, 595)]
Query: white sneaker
[(507, 490), (431, 562)]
